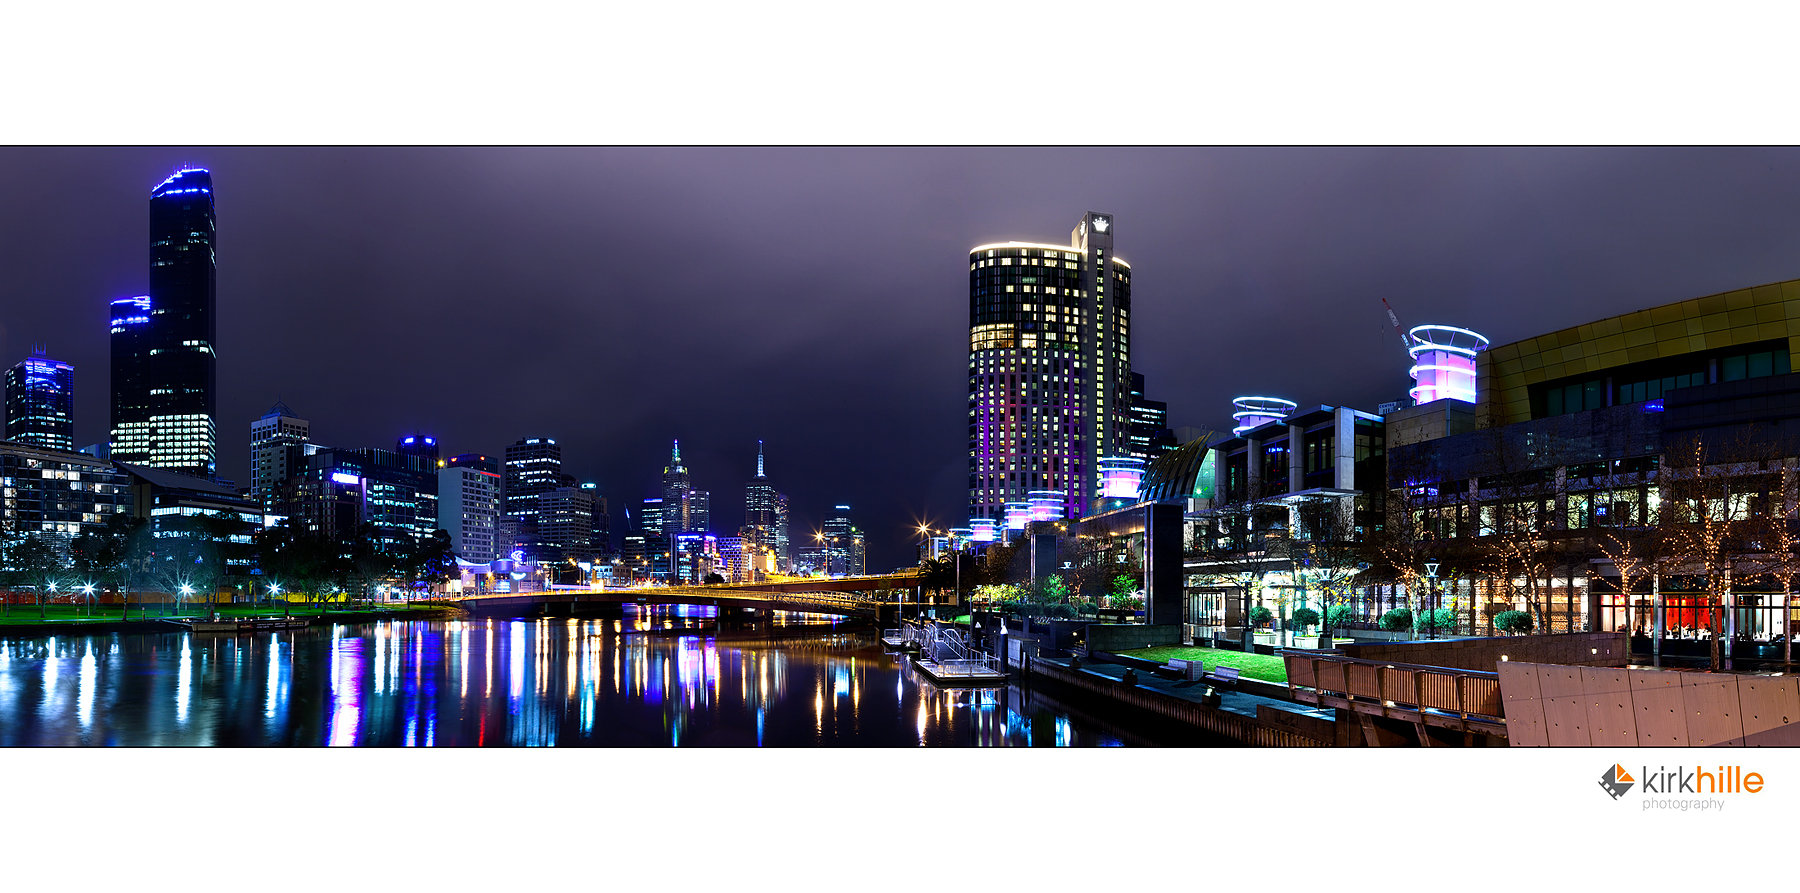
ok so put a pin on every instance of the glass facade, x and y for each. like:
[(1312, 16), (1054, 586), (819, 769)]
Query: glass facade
[(164, 366), (40, 403), (1049, 368), (533, 468), (56, 492)]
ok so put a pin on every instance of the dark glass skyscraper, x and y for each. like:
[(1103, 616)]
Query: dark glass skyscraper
[(1150, 434), (533, 468), (40, 403), (164, 366)]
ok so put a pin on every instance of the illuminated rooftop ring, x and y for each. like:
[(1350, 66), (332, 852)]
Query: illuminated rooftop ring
[(1448, 338), (1444, 363), (1046, 505), (1255, 411)]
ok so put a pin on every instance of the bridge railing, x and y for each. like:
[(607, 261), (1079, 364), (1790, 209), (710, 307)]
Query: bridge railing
[(983, 665)]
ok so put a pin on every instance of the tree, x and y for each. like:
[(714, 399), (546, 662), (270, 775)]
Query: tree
[(42, 564), (298, 560), (1328, 554), (182, 561), (432, 561), (1713, 498), (1237, 543)]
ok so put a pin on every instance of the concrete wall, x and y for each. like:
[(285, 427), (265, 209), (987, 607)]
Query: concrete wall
[(1576, 649), (1552, 705), (1125, 636)]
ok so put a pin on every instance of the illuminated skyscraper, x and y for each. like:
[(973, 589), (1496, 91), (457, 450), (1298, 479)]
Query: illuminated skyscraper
[(40, 403), (1049, 368), (765, 517), (468, 507), (685, 509), (674, 489), (164, 366), (278, 451), (533, 468)]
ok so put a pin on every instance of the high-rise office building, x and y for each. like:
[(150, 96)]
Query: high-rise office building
[(674, 494), (340, 489), (765, 517), (278, 450), (843, 548), (565, 524), (653, 540), (468, 509), (602, 525), (40, 403), (533, 468), (419, 445), (784, 552), (164, 362), (1049, 368), (1150, 434), (488, 464), (696, 510)]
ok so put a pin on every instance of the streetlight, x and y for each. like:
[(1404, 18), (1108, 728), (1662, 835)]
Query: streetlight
[(186, 590), (88, 590), (1431, 569)]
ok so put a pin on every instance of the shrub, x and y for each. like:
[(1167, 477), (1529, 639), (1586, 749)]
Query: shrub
[(1514, 622), (1260, 616), (1303, 617), (1338, 615), (1396, 620), (1439, 619), (1060, 612)]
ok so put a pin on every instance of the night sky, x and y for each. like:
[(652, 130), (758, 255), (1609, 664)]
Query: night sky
[(615, 299)]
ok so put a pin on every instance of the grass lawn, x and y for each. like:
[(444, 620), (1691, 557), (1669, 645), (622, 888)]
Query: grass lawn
[(1266, 667)]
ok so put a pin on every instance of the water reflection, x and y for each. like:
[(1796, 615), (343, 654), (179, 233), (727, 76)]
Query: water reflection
[(653, 679)]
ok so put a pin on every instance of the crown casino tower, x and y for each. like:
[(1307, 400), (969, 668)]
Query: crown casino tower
[(1049, 375), (164, 368)]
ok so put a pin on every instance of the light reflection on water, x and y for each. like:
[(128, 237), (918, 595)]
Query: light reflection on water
[(649, 680)]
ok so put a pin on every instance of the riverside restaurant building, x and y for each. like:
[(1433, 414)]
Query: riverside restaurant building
[(1527, 488)]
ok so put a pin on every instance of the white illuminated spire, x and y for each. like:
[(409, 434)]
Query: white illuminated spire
[(759, 464)]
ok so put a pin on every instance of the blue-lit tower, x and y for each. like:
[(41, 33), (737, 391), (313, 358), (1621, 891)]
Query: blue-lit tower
[(164, 364), (40, 403)]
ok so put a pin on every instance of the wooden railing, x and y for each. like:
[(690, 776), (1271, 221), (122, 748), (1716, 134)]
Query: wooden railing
[(1329, 676)]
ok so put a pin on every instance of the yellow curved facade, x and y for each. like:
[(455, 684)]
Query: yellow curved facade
[(1744, 316)]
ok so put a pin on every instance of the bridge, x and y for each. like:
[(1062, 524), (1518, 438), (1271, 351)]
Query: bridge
[(843, 596)]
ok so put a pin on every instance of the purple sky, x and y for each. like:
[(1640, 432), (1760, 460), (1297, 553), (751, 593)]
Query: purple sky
[(818, 299)]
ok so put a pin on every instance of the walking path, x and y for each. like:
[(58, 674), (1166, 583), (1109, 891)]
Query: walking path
[(1249, 718)]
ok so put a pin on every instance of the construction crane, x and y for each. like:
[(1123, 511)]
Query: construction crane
[(1405, 343)]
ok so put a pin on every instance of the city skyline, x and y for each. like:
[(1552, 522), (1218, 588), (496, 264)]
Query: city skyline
[(844, 367)]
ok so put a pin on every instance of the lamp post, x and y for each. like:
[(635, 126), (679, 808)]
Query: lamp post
[(88, 590), (1431, 569)]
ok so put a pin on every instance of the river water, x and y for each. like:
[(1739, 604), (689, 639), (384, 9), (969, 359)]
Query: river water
[(650, 680)]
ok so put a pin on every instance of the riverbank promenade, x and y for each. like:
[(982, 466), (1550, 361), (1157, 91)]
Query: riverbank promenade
[(1239, 714)]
